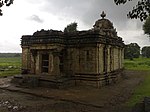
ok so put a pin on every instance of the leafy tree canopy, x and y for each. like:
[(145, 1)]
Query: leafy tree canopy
[(146, 26), (140, 11), (146, 51), (71, 27), (132, 50), (5, 2)]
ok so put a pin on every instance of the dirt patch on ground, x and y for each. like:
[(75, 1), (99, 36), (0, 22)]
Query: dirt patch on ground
[(76, 99)]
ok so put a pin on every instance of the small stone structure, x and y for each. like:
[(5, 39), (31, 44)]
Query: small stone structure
[(95, 55)]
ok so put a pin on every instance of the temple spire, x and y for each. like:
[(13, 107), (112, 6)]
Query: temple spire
[(103, 15)]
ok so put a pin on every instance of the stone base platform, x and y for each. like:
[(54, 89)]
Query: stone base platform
[(32, 81), (56, 81)]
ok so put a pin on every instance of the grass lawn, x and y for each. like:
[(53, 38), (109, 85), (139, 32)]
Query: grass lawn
[(137, 64), (143, 90), (10, 66)]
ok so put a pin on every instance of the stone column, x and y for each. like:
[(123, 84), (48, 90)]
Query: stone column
[(112, 55), (25, 60), (38, 63), (105, 58), (33, 60), (32, 64), (98, 59), (101, 59), (56, 61), (51, 64), (111, 58), (122, 58), (108, 59), (115, 58)]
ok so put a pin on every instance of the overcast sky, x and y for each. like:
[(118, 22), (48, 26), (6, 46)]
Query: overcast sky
[(25, 17)]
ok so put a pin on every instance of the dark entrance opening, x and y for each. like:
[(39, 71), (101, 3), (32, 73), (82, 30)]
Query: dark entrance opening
[(45, 63)]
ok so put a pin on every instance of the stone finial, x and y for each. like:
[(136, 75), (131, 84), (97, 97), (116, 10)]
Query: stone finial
[(103, 15)]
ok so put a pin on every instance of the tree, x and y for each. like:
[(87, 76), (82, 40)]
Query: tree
[(146, 26), (71, 27), (5, 2), (132, 51), (17, 55), (141, 10), (146, 51)]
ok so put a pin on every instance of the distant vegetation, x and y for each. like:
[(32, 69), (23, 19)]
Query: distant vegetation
[(10, 64), (72, 27), (146, 51), (131, 51), (137, 64), (10, 54)]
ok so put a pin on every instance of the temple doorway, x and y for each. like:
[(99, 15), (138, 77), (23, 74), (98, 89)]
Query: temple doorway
[(45, 63)]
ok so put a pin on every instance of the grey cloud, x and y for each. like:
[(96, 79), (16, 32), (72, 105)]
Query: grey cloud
[(142, 40), (34, 1), (36, 18), (88, 11)]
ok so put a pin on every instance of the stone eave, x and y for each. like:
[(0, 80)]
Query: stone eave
[(73, 38)]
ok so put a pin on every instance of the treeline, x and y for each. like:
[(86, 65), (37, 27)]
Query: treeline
[(146, 51), (10, 55), (133, 50)]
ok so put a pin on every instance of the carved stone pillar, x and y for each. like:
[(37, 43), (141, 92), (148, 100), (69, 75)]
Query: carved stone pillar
[(38, 63), (51, 64), (56, 70), (33, 60), (105, 58), (25, 60)]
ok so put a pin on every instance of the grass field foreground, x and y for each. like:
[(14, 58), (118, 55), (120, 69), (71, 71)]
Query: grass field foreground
[(10, 66), (137, 64), (143, 90)]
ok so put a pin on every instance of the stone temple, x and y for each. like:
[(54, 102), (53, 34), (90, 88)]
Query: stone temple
[(94, 56)]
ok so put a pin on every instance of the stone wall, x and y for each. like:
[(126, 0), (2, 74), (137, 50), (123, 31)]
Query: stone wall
[(26, 65), (100, 60), (82, 60), (85, 60)]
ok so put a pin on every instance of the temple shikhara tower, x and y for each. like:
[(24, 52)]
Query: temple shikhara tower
[(93, 56)]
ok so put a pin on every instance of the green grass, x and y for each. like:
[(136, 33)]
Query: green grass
[(137, 64), (143, 90), (10, 66)]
